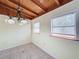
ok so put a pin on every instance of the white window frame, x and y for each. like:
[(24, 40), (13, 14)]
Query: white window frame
[(65, 36)]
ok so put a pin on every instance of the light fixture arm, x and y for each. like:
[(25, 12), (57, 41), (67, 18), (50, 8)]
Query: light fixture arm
[(10, 17)]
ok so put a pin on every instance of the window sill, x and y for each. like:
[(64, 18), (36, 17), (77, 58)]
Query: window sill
[(71, 37)]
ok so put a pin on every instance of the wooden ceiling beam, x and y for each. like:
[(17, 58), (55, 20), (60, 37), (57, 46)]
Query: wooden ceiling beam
[(14, 6), (26, 16), (11, 10), (57, 2), (6, 11), (62, 2), (15, 9), (23, 6), (29, 12), (39, 4)]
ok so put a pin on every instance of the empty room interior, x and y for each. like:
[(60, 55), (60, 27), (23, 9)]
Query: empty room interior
[(39, 29)]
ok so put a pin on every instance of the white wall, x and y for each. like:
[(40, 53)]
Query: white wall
[(56, 47), (13, 35)]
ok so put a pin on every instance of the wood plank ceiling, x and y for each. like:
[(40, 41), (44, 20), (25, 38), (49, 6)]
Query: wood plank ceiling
[(30, 9)]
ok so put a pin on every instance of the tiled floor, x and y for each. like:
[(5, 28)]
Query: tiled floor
[(29, 51)]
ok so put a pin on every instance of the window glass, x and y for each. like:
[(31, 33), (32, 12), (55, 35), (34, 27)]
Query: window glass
[(64, 25), (36, 27)]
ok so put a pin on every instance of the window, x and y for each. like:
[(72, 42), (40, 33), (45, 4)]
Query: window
[(36, 27), (64, 26)]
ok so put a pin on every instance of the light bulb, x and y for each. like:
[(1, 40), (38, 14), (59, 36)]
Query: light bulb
[(10, 21), (22, 22)]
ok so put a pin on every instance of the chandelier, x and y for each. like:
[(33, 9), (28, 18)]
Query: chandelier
[(17, 19)]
